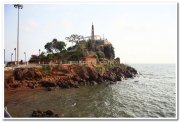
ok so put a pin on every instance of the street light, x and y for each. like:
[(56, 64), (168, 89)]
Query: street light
[(18, 6), (15, 54), (39, 55), (25, 57), (11, 58), (39, 51)]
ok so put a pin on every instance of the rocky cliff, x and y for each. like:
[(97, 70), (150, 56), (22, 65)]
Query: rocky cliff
[(67, 76)]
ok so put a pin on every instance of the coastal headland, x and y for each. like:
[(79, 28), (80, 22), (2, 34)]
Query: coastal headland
[(91, 61), (66, 76)]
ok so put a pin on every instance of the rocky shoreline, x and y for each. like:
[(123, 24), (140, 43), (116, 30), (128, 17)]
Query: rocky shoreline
[(67, 76)]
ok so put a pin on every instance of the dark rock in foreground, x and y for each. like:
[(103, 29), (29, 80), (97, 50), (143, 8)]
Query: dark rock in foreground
[(68, 76), (47, 113)]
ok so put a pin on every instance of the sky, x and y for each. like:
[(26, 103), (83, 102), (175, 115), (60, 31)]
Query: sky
[(141, 32)]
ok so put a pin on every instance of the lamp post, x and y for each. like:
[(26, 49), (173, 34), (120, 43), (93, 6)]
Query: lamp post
[(39, 55), (15, 54), (11, 58), (39, 52), (18, 6), (25, 57)]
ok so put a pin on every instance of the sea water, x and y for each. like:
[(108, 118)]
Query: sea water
[(152, 94)]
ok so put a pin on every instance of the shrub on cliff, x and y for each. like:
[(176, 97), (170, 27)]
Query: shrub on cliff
[(46, 69), (100, 68), (100, 54)]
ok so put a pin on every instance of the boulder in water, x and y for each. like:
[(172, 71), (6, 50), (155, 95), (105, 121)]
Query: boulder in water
[(47, 113)]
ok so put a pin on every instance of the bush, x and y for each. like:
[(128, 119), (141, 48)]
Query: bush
[(100, 54)]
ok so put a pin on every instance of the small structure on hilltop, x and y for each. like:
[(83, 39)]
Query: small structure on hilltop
[(92, 33), (93, 37)]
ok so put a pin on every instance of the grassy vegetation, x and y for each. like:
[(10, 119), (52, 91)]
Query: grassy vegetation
[(46, 70), (102, 67), (105, 67)]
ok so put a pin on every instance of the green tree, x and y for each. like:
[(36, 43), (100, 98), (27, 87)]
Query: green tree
[(42, 55), (74, 38), (82, 48), (60, 46), (34, 59), (50, 56), (76, 55), (48, 47), (55, 46), (81, 51), (91, 45)]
